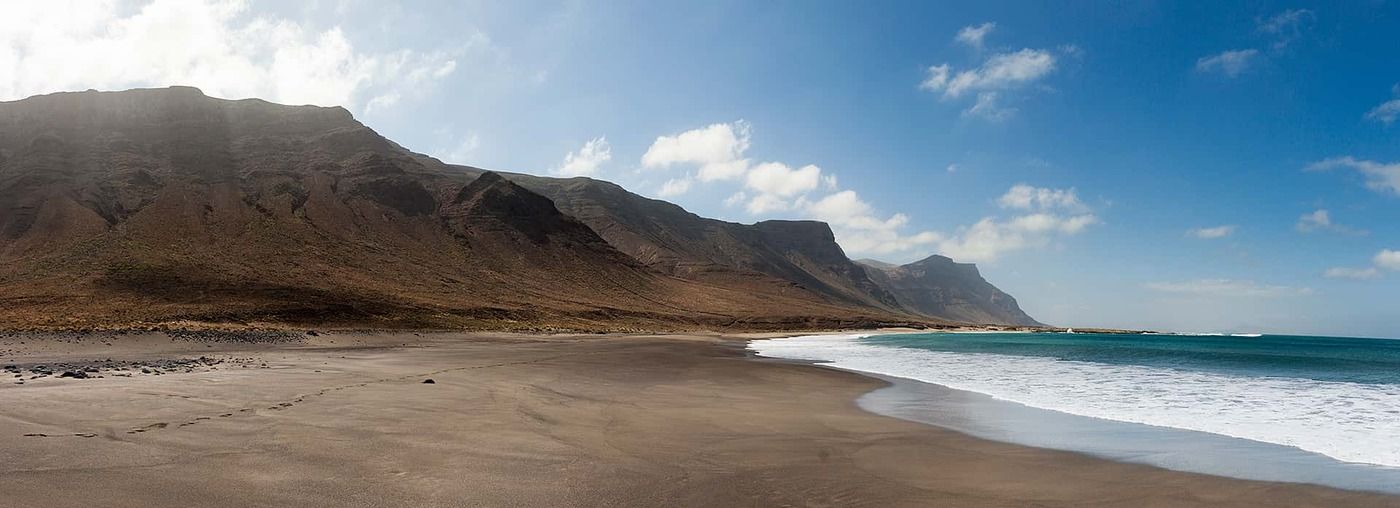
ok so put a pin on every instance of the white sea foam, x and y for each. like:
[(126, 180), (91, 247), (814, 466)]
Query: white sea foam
[(1347, 421)]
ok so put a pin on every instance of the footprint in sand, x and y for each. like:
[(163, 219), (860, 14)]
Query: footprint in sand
[(152, 426)]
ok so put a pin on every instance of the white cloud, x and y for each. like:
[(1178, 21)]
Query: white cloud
[(1046, 214), (1227, 288), (587, 160), (952, 168), (675, 187), (1212, 233), (766, 203), (973, 36), (734, 199), (996, 74), (216, 45), (776, 184), (1230, 63), (1000, 71), (1027, 197), (1286, 26), (990, 238), (1388, 259), (1321, 220), (462, 151), (717, 149), (1352, 273), (989, 107), (1380, 177), (859, 229), (778, 179), (1387, 111), (1309, 222)]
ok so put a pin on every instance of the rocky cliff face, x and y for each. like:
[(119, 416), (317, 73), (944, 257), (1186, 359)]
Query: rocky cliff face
[(939, 287), (779, 256), (148, 206)]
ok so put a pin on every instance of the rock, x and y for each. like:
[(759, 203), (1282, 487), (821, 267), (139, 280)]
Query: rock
[(429, 381), (76, 374)]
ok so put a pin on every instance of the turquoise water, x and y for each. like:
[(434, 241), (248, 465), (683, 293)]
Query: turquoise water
[(1317, 358), (1322, 409)]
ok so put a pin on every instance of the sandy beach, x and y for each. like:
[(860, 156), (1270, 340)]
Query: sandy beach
[(348, 419)]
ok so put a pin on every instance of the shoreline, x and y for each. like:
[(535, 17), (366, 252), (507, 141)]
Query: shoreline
[(985, 416), (686, 419)]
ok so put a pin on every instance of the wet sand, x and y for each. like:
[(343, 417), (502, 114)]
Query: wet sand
[(514, 420)]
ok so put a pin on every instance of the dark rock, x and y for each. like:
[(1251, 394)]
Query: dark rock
[(76, 374), (429, 381)]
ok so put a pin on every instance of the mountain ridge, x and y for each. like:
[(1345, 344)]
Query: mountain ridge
[(155, 205), (937, 285)]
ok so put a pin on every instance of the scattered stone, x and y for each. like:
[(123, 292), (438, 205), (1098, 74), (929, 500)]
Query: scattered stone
[(75, 374)]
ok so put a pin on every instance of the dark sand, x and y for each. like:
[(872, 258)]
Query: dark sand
[(346, 420)]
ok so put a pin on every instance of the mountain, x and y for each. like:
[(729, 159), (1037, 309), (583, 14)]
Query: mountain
[(802, 255), (164, 205), (938, 286)]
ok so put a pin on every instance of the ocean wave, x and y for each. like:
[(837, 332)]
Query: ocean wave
[(1350, 422)]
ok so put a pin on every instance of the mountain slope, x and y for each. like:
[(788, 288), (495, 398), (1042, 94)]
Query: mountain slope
[(939, 287), (148, 206), (773, 254)]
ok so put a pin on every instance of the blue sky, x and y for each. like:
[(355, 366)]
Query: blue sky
[(1134, 165)]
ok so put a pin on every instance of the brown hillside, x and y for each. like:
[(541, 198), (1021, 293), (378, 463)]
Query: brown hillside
[(147, 206)]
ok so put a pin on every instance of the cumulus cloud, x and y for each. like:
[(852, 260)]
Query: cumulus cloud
[(1228, 288), (717, 149), (1212, 233), (675, 187), (1387, 111), (1321, 220), (1380, 177), (1342, 272), (718, 152), (859, 229), (777, 184), (778, 179), (587, 160), (1046, 214), (1230, 63), (1027, 197), (973, 36), (216, 45), (1388, 259), (1040, 215), (990, 238)]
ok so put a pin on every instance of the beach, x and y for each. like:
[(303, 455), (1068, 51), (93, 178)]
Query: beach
[(350, 419)]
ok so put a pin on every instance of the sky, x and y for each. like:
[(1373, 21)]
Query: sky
[(1184, 166)]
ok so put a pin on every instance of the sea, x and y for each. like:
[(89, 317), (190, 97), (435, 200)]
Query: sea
[(1305, 409)]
